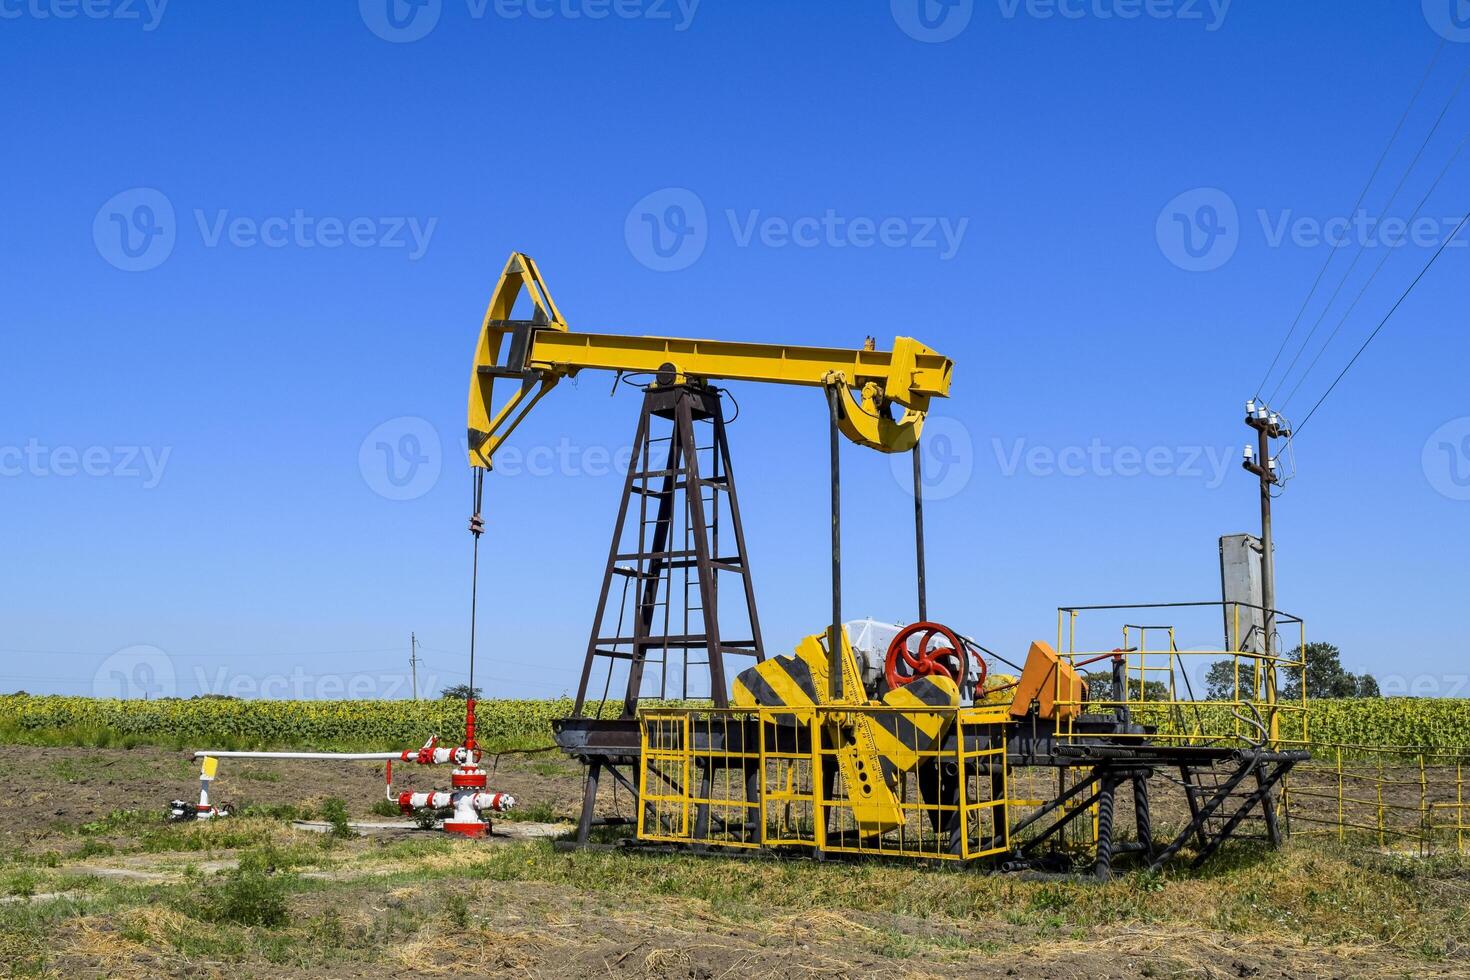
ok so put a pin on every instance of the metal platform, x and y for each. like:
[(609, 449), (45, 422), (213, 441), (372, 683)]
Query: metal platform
[(767, 780)]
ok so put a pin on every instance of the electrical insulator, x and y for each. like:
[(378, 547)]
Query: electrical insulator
[(1250, 408), (1250, 453)]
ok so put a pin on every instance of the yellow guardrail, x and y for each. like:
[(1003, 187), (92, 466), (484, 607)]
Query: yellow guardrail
[(1158, 690), (1399, 799), (771, 778)]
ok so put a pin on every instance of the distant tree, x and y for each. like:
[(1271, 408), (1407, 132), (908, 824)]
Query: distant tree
[(1220, 681), (1326, 677), (461, 692), (1100, 688)]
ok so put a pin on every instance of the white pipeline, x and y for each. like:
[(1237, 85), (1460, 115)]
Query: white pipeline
[(344, 756), (468, 800)]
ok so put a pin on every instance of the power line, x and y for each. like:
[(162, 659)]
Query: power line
[(512, 663), (1363, 245), (1440, 251), (217, 655), (1359, 203), (1381, 263)]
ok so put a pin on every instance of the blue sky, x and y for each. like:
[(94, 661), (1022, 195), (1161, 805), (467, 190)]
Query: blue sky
[(317, 200)]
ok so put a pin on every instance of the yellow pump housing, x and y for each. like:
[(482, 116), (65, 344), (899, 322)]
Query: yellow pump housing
[(873, 748), (1051, 684)]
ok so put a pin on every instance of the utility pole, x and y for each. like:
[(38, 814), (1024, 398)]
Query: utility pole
[(413, 662), (1260, 461)]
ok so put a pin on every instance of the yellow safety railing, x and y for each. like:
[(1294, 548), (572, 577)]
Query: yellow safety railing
[(776, 778), (1396, 799), (1034, 787), (1164, 686)]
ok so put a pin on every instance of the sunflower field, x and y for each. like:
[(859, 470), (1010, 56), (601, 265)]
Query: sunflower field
[(228, 723)]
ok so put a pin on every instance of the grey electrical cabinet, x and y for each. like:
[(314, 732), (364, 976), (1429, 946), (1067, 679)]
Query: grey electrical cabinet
[(1240, 590)]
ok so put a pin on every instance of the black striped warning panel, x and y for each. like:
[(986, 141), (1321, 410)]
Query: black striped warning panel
[(797, 681)]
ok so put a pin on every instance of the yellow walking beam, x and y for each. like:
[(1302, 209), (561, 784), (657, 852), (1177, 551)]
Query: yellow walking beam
[(541, 351), (915, 372)]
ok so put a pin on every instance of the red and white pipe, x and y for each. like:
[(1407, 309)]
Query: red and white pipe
[(468, 797)]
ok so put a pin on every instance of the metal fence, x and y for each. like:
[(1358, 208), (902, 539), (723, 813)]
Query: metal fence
[(835, 779), (1395, 799), (1162, 686)]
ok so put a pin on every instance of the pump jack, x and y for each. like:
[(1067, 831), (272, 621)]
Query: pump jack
[(877, 399)]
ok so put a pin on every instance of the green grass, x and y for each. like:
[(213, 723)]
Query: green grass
[(1418, 907), (276, 811), (334, 812), (21, 883), (386, 808), (435, 888), (251, 894), (122, 821), (539, 812), (259, 775)]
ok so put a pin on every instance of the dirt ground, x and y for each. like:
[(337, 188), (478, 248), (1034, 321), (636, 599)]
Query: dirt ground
[(95, 890), (50, 792)]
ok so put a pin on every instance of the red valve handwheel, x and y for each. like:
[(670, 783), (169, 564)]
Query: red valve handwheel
[(904, 666)]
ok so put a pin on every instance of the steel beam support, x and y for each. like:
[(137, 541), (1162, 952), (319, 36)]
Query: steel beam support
[(589, 802), (919, 532), (657, 486), (1257, 797), (834, 636), (1102, 867)]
